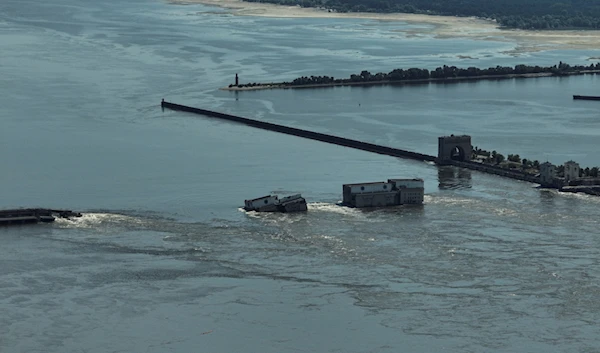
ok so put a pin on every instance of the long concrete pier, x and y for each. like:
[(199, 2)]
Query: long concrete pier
[(365, 146), (341, 141), (589, 98)]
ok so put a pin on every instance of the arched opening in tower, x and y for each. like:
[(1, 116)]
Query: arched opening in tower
[(457, 154)]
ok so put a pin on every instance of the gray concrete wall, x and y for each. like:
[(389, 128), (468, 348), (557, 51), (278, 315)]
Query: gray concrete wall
[(411, 196), (376, 199), (294, 206)]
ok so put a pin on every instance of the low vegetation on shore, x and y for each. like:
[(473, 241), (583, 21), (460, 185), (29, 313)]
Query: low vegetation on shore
[(420, 75), (524, 14), (528, 166)]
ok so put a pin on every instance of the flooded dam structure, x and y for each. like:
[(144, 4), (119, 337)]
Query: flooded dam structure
[(452, 150), (393, 192)]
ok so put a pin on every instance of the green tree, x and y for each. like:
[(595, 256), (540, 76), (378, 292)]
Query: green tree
[(498, 158), (514, 158)]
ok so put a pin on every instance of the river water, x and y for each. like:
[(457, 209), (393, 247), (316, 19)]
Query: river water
[(163, 260)]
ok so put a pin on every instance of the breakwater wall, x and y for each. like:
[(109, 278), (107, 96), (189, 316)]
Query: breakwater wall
[(589, 98), (365, 146), (340, 141)]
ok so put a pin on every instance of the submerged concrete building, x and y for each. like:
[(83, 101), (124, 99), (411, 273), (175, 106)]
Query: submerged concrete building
[(548, 175), (571, 181), (571, 175), (386, 193), (271, 203), (571, 171)]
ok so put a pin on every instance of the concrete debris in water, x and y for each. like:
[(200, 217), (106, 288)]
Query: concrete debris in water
[(271, 203), (34, 215)]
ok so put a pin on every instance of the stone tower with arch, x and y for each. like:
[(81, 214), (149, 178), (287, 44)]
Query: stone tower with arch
[(457, 148)]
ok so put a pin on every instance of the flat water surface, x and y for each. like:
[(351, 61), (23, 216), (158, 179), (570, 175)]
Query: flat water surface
[(164, 260)]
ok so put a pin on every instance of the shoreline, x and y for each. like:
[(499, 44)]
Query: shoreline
[(444, 27), (405, 82), (260, 9)]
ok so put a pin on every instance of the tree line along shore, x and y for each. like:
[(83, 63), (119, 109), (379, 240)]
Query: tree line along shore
[(523, 14), (416, 75), (528, 166)]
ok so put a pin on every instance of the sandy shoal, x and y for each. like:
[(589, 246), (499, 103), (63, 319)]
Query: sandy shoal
[(443, 26)]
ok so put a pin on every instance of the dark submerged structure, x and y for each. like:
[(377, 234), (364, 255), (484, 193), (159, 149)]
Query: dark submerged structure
[(34, 215), (589, 98), (272, 203)]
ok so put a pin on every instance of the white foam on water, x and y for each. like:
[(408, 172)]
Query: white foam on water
[(329, 238), (312, 207), (447, 200), (334, 208), (252, 214), (277, 218), (503, 211), (91, 220)]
